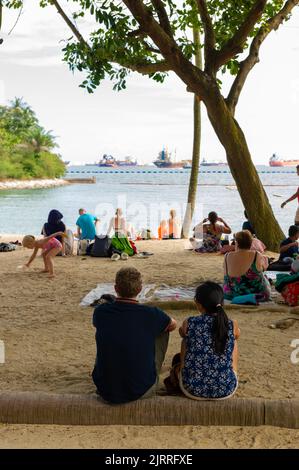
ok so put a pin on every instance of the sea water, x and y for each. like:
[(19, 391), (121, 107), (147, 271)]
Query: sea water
[(146, 194)]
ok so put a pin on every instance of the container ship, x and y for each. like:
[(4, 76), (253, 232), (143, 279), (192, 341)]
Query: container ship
[(126, 162), (164, 161), (276, 161)]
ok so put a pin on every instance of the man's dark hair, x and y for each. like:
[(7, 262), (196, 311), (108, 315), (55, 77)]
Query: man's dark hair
[(293, 230)]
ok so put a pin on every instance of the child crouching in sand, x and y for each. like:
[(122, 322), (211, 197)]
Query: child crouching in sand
[(206, 368), (50, 246)]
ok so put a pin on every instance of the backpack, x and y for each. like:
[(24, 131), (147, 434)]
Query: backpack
[(122, 244), (82, 246), (7, 247), (101, 247)]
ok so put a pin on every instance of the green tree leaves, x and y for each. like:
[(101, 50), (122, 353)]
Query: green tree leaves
[(25, 146)]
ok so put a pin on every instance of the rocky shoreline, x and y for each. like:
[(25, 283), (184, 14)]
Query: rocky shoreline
[(32, 184)]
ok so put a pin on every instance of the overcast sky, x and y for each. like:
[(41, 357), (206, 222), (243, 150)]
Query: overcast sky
[(146, 116)]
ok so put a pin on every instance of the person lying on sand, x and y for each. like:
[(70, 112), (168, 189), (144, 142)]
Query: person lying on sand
[(131, 341), (206, 367), (50, 248)]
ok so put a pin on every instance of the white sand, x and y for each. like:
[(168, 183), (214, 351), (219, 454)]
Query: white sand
[(50, 346)]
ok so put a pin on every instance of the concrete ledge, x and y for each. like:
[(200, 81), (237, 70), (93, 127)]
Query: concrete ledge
[(48, 408)]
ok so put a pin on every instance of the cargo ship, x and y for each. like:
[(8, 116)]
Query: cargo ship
[(126, 162), (164, 161), (205, 162), (107, 162), (276, 161)]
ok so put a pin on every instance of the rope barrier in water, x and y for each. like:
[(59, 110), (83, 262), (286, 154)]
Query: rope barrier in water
[(162, 172)]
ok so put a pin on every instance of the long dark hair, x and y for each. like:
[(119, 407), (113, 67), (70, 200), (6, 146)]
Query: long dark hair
[(210, 296), (213, 217)]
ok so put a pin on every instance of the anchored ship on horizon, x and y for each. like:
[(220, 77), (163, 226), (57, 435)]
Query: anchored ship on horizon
[(276, 161)]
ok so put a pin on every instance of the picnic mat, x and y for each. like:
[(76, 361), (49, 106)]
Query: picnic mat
[(149, 293)]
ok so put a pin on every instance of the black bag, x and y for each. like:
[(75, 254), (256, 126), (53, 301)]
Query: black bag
[(101, 247), (4, 247)]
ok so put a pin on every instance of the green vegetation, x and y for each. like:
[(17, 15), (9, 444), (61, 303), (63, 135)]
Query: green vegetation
[(25, 146)]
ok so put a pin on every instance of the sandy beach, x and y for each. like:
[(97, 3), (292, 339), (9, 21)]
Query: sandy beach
[(49, 346)]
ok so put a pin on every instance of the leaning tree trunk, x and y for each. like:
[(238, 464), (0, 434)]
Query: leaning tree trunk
[(249, 185), (196, 148)]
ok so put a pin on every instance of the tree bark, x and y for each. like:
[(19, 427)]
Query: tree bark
[(191, 202), (250, 188)]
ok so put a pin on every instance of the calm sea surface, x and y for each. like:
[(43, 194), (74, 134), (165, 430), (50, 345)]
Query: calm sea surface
[(146, 194)]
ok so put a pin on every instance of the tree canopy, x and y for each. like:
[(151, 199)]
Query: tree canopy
[(25, 146), (152, 36)]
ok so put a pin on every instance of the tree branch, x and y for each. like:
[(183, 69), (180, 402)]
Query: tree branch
[(253, 56), (70, 24), (163, 17), (144, 68), (209, 43), (147, 68), (196, 80), (235, 45)]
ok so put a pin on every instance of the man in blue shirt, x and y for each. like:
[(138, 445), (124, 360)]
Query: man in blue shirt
[(86, 225), (131, 341), (289, 246)]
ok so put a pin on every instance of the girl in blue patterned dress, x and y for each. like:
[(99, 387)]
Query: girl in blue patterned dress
[(207, 366)]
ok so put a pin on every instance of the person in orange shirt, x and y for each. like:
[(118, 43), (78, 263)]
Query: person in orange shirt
[(163, 230)]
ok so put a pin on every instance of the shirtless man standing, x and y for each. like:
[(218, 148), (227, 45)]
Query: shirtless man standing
[(295, 196)]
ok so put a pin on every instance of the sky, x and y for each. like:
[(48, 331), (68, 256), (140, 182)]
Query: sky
[(145, 117)]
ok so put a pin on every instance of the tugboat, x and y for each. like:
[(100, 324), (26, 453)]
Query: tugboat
[(126, 162), (107, 162), (276, 161), (164, 160)]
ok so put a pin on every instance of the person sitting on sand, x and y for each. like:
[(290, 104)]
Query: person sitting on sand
[(131, 341), (247, 225), (243, 270), (86, 225), (289, 246), (256, 245), (54, 225), (50, 248), (206, 367), (163, 231), (118, 224), (174, 226), (211, 228)]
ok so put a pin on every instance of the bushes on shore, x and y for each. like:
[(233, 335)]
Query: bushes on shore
[(25, 146)]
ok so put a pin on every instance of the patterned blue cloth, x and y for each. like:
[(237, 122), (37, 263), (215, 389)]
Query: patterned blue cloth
[(206, 374)]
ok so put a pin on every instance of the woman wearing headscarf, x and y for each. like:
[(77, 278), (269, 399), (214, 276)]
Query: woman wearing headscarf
[(54, 225)]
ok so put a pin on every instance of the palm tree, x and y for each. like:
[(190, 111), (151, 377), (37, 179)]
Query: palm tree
[(39, 140), (18, 117)]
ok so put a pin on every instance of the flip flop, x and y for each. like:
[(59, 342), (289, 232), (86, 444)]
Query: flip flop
[(141, 256), (124, 256), (115, 257)]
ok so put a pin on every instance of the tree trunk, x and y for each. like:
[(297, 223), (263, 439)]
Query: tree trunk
[(244, 172), (191, 202)]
